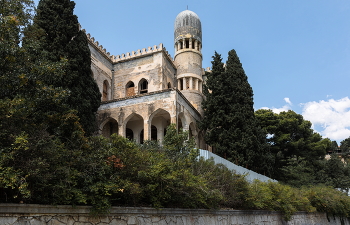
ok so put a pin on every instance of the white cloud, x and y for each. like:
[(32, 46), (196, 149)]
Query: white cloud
[(283, 108), (332, 115), (288, 101)]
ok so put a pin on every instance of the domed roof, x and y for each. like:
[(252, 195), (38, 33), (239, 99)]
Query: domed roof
[(187, 23)]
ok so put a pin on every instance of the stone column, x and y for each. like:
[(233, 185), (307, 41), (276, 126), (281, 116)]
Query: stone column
[(183, 43), (184, 83), (200, 86), (121, 130), (196, 45), (160, 133), (146, 130), (179, 84), (173, 119), (179, 46), (190, 44), (112, 86), (191, 83), (196, 84)]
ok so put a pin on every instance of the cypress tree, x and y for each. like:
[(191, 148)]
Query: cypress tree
[(229, 120), (212, 116), (61, 38)]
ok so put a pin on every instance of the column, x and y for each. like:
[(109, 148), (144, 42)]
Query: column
[(196, 44), (146, 130), (112, 86), (179, 84), (191, 83), (178, 45), (121, 130), (184, 83), (183, 43), (160, 134), (173, 119), (196, 84), (200, 86), (190, 44)]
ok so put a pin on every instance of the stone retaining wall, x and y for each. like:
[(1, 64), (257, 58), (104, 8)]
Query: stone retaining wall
[(22, 214)]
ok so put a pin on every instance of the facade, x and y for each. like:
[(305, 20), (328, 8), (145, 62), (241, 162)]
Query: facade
[(145, 91)]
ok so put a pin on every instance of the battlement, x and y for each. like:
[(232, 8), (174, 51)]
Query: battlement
[(97, 45), (128, 55), (144, 51)]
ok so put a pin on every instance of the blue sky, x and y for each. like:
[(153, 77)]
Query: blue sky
[(296, 54)]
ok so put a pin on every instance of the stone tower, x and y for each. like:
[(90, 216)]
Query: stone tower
[(188, 56)]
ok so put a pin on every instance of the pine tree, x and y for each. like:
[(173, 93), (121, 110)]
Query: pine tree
[(229, 120), (61, 38)]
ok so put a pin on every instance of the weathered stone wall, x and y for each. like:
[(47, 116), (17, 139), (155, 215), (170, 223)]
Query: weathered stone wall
[(101, 69), (154, 67), (22, 214), (156, 108)]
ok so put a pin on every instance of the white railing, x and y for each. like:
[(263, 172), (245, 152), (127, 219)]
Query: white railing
[(250, 175)]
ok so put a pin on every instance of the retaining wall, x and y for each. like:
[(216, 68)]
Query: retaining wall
[(22, 214)]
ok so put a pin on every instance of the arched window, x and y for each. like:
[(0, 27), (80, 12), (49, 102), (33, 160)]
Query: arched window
[(105, 91), (143, 86), (130, 89)]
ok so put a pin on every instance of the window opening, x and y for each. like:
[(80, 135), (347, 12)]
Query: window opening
[(130, 89), (105, 91), (143, 86)]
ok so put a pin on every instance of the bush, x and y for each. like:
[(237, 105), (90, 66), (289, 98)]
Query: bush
[(277, 197)]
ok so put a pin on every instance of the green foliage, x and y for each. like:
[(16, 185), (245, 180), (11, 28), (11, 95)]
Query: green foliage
[(229, 120), (56, 30), (329, 200), (278, 197), (345, 146), (336, 173), (230, 188), (291, 141)]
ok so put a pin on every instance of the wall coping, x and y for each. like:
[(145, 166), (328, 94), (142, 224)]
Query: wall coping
[(8, 208)]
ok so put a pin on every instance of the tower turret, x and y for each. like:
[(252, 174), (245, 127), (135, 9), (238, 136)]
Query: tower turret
[(188, 56)]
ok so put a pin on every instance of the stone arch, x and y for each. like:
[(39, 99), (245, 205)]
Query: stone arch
[(143, 86), (105, 90), (109, 127), (130, 89), (160, 119), (135, 123)]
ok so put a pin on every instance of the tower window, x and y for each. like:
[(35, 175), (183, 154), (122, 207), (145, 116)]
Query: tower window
[(187, 44), (130, 89), (143, 86)]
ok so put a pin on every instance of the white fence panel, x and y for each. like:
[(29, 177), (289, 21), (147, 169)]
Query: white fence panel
[(250, 175)]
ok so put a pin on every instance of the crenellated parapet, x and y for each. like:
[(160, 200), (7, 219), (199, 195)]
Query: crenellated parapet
[(128, 55), (97, 45), (144, 51)]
